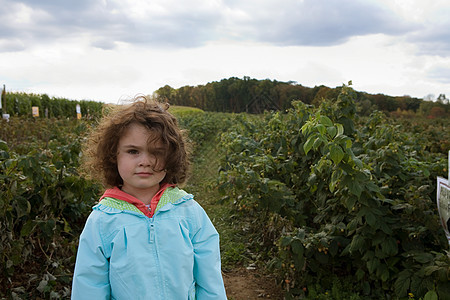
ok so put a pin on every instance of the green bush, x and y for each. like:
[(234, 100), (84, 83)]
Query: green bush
[(358, 195), (43, 207)]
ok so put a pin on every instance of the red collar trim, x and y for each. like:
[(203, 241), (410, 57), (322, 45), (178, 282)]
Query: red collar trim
[(121, 195)]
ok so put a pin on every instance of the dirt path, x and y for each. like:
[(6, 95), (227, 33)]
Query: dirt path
[(243, 284), (240, 283)]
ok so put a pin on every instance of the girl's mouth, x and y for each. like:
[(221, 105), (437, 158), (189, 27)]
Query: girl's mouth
[(144, 174)]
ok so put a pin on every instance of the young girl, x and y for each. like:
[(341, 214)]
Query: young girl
[(147, 238)]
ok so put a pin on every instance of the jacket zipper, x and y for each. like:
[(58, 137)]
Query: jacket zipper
[(151, 234)]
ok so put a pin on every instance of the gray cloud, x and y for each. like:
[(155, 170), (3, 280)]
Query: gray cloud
[(440, 74), (433, 39), (104, 22), (34, 22), (322, 23), (193, 23)]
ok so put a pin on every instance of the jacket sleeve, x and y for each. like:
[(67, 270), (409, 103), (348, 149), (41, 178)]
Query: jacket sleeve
[(207, 266), (91, 275)]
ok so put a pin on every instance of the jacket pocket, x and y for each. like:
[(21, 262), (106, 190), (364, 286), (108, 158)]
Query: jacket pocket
[(191, 295)]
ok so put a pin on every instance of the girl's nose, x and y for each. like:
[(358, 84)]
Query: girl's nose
[(146, 160)]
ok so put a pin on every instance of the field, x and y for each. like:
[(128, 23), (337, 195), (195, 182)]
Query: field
[(316, 201)]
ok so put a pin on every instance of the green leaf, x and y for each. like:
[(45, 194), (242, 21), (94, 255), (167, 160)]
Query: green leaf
[(348, 143), (386, 229), (335, 176), (326, 121), (357, 243), (299, 261), (4, 146), (430, 270), (308, 145), (318, 142), (285, 240), (402, 283), (371, 219), (301, 234), (373, 264), (48, 227), (355, 188), (306, 128), (340, 129), (332, 131), (350, 202), (430, 295), (389, 246), (383, 272), (297, 247), (322, 129), (336, 153), (23, 207), (332, 185), (67, 227), (423, 257), (371, 186), (352, 225), (359, 274), (27, 228)]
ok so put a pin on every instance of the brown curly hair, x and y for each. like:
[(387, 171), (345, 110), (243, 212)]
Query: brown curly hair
[(100, 150)]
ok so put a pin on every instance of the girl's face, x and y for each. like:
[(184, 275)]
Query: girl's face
[(137, 165)]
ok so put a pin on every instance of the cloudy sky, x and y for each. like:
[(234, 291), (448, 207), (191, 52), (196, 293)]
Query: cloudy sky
[(108, 50)]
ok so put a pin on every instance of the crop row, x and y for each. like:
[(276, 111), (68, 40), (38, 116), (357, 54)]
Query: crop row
[(338, 199)]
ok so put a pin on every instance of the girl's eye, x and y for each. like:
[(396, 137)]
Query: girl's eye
[(158, 153), (132, 151)]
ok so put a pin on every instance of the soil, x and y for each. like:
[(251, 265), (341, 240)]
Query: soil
[(244, 284)]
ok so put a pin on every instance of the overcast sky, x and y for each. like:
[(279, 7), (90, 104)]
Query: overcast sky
[(108, 50)]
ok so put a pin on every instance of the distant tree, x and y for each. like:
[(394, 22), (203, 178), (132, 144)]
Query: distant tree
[(442, 99), (384, 103), (166, 94), (235, 95), (429, 97), (401, 103), (413, 103), (436, 112), (321, 94)]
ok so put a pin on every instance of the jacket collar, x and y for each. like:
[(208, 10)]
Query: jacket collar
[(117, 193)]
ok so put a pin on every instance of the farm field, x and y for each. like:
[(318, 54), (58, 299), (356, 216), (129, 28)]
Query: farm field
[(315, 202)]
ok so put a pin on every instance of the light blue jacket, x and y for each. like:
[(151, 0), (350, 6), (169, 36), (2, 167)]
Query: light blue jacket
[(124, 254)]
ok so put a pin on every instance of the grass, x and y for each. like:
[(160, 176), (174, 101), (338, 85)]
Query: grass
[(181, 111), (203, 185)]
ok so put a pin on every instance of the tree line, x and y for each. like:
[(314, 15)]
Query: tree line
[(254, 96), (236, 95)]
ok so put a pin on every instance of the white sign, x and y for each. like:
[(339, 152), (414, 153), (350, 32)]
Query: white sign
[(443, 201), (443, 204), (78, 111)]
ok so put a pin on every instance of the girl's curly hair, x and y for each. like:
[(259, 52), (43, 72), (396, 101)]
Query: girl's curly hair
[(100, 150)]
